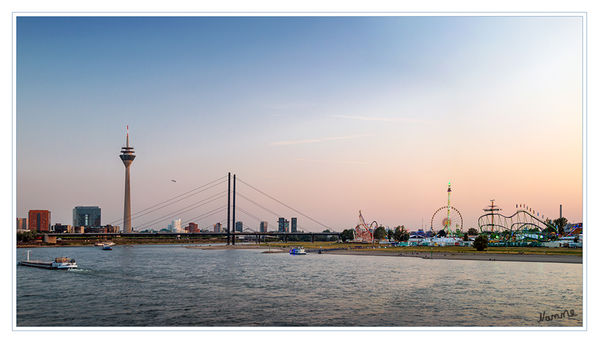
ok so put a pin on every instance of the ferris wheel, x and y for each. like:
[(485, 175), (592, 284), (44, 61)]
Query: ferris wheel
[(450, 219), (447, 218)]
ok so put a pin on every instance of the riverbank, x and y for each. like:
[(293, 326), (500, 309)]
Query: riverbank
[(520, 254), (120, 241), (547, 258), (513, 254)]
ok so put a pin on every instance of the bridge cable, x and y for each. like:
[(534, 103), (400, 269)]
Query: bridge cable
[(280, 202), (264, 208), (185, 209), (170, 199)]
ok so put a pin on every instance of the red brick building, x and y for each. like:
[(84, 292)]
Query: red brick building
[(39, 220), (192, 227)]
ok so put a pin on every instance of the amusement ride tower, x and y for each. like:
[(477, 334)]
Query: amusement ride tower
[(448, 221), (127, 156), (453, 217)]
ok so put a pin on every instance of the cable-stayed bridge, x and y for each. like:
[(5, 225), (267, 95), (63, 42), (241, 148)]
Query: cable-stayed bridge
[(220, 204)]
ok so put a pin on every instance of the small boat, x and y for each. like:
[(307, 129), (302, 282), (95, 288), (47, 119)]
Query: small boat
[(297, 251), (106, 247), (58, 263), (101, 244)]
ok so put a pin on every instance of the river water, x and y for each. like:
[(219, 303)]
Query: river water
[(173, 286)]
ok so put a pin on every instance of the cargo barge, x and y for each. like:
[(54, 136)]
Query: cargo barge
[(58, 263)]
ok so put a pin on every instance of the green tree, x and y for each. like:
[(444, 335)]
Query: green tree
[(560, 224), (401, 234), (472, 231), (481, 242), (389, 234), (25, 236), (465, 236), (441, 233), (347, 235), (380, 233)]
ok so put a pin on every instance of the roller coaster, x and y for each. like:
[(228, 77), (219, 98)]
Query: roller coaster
[(364, 232), (521, 221)]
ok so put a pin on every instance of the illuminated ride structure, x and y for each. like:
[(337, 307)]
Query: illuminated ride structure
[(573, 229), (524, 220), (364, 232), (452, 217)]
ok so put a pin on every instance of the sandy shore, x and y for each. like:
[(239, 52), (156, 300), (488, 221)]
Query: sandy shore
[(266, 249), (547, 258), (465, 256), (226, 247), (485, 256)]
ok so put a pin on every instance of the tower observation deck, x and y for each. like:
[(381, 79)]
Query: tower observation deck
[(127, 156)]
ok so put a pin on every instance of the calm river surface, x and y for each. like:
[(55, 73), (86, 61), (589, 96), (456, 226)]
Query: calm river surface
[(176, 286)]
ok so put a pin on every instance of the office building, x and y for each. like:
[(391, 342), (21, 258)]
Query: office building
[(87, 216), (175, 226), (281, 224), (263, 226), (293, 224), (192, 227), (39, 220), (286, 226), (217, 227), (21, 224), (239, 226), (59, 228)]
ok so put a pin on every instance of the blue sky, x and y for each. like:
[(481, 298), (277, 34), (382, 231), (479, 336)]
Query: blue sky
[(332, 114)]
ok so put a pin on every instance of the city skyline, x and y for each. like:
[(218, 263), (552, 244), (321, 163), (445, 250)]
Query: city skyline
[(330, 115)]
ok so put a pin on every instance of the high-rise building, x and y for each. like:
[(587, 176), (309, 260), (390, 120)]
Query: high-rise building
[(39, 220), (281, 224), (239, 226), (293, 224), (263, 226), (192, 227), (88, 216), (176, 225), (217, 227), (286, 226), (21, 224), (127, 156)]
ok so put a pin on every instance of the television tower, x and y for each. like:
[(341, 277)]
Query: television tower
[(127, 156)]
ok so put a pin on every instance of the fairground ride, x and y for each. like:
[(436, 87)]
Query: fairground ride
[(364, 232), (451, 217), (523, 220)]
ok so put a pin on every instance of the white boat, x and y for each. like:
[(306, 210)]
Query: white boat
[(101, 244), (297, 251)]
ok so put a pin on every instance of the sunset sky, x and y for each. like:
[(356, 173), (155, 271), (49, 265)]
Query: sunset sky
[(330, 115)]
